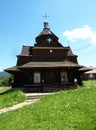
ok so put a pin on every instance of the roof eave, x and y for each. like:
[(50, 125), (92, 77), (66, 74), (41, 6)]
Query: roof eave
[(12, 69)]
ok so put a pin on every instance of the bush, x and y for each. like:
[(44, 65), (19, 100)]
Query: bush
[(6, 81)]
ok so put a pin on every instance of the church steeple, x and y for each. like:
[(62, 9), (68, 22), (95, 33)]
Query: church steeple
[(46, 24), (47, 38)]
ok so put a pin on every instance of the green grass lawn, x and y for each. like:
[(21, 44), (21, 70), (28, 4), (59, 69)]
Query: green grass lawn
[(9, 97), (65, 110)]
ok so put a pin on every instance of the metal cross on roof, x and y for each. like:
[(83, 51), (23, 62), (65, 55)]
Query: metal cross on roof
[(46, 16)]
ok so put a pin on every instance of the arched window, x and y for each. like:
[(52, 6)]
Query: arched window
[(64, 77), (37, 77)]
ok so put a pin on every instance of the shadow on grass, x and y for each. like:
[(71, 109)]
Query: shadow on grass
[(7, 92)]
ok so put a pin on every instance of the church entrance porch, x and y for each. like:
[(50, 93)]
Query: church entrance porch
[(49, 76), (47, 80)]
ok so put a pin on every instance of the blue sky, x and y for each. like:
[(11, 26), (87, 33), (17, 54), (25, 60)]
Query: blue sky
[(73, 21)]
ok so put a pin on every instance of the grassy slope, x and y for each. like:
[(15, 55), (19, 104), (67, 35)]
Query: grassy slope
[(9, 97), (66, 110)]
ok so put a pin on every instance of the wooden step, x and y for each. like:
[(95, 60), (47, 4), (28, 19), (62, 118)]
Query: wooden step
[(32, 96), (51, 89)]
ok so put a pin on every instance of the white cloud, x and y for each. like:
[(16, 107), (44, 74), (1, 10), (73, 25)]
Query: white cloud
[(85, 32)]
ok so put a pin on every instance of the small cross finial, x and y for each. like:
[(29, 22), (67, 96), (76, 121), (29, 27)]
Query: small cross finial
[(46, 16)]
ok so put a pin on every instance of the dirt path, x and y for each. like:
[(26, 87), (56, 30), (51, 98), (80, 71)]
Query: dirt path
[(31, 98)]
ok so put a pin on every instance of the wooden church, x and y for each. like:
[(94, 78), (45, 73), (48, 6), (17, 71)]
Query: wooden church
[(47, 66)]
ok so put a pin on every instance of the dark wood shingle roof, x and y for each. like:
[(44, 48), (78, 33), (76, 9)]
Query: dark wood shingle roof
[(49, 64), (12, 69)]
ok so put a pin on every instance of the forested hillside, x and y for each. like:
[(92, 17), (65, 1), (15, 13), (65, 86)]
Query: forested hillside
[(3, 74)]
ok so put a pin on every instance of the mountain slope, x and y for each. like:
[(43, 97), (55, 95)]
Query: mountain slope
[(3, 74)]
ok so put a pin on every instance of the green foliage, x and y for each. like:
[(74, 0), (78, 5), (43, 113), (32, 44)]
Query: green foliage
[(65, 110), (6, 81), (4, 89), (10, 97), (89, 83)]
